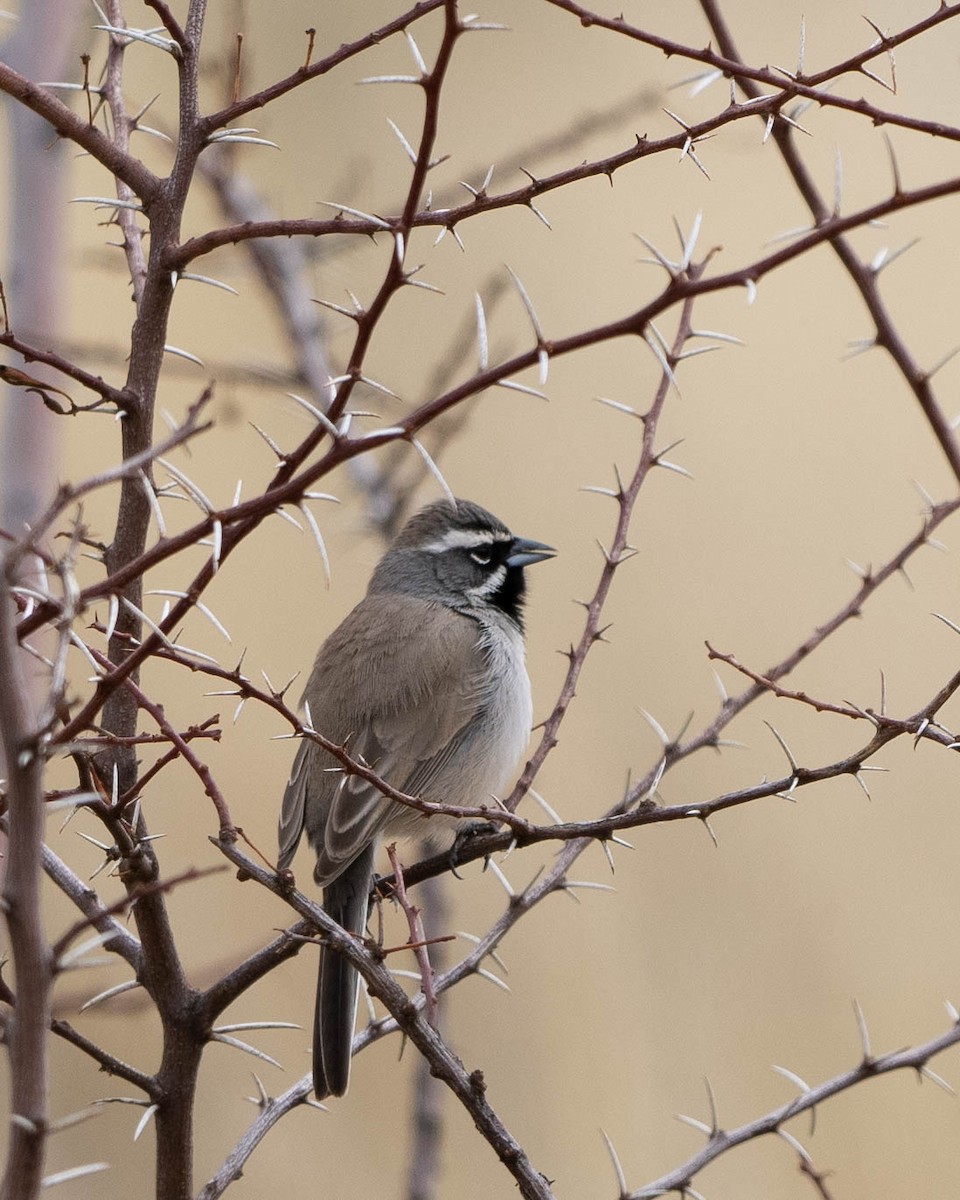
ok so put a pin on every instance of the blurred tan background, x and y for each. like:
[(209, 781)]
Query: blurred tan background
[(704, 961)]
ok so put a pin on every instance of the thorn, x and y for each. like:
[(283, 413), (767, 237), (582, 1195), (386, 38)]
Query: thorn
[(197, 604), (196, 494), (792, 1141), (800, 1084), (480, 193), (377, 387), (714, 1118), (698, 83), (550, 811), (883, 258), (654, 339), (671, 268), (658, 775), (318, 538), (705, 821), (145, 1120), (490, 978), (859, 346), (88, 1168), (483, 346), (501, 879), (356, 212), (538, 214), (75, 1118), (892, 85), (924, 1071), (619, 407), (679, 120), (237, 1044), (179, 352), (408, 149), (513, 386), (719, 337), (317, 413), (946, 620), (656, 727), (528, 305), (433, 469), (209, 280), (864, 1035), (894, 167), (783, 746), (721, 688), (617, 1168), (942, 362), (866, 791), (671, 466), (702, 1126), (352, 314), (475, 941), (417, 56)]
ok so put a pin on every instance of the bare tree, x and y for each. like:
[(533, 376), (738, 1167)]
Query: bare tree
[(124, 717)]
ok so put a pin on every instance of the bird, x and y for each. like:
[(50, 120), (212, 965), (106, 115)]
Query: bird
[(425, 682)]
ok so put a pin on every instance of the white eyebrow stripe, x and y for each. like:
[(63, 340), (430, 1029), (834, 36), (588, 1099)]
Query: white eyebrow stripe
[(461, 539)]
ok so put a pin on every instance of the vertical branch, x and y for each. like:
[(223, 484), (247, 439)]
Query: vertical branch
[(162, 972), (27, 1030), (395, 277), (113, 92)]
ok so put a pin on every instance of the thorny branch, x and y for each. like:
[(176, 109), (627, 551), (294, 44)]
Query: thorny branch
[(914, 1058), (106, 719), (864, 277)]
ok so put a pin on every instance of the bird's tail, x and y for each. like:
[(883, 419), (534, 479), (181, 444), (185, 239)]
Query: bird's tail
[(346, 900)]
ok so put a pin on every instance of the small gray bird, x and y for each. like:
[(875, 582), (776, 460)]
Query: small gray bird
[(425, 682)]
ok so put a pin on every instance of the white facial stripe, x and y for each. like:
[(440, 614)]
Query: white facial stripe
[(490, 586), (466, 539)]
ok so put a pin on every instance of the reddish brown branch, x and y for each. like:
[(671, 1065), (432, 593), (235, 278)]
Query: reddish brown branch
[(417, 941), (120, 164), (864, 278), (321, 67)]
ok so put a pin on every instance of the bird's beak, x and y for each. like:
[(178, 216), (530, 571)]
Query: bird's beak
[(524, 552)]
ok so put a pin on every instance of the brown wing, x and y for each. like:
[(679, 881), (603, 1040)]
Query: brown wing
[(398, 681)]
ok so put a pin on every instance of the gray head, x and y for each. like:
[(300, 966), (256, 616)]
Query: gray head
[(459, 555)]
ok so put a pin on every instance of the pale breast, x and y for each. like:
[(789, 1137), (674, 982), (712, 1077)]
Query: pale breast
[(485, 754)]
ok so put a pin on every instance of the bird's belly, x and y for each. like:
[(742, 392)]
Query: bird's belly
[(488, 751)]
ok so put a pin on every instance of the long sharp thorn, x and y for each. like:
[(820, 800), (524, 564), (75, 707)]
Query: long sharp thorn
[(407, 148), (318, 538), (528, 305), (783, 746), (433, 469), (145, 1120), (483, 346), (615, 1160), (863, 1032)]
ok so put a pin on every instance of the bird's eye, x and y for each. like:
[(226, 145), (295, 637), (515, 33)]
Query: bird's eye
[(482, 555)]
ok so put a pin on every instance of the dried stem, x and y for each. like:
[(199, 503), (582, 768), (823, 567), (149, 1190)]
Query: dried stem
[(22, 743)]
